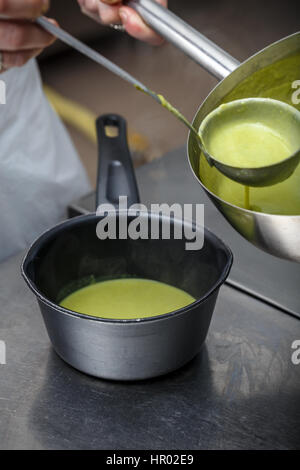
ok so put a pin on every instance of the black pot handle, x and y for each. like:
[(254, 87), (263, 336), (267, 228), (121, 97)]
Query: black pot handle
[(116, 175)]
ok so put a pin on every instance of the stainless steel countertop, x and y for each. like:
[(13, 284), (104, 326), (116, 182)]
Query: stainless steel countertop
[(241, 392)]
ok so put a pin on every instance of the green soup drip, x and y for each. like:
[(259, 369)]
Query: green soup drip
[(163, 102), (247, 197), (124, 299)]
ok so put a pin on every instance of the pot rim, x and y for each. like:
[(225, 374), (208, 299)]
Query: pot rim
[(35, 247)]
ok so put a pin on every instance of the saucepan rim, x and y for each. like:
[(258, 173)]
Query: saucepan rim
[(53, 231)]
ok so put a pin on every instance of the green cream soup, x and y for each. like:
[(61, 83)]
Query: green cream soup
[(248, 145), (125, 299)]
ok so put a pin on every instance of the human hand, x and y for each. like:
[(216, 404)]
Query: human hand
[(20, 38), (114, 12)]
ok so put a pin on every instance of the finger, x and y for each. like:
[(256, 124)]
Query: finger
[(114, 2), (23, 9), (136, 27), (109, 10), (109, 13), (111, 2), (19, 58), (89, 6), (15, 36), (98, 11)]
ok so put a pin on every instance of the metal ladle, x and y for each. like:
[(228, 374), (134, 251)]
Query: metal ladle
[(275, 234), (220, 64), (281, 118)]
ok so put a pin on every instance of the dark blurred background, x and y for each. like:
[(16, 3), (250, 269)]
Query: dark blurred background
[(86, 90)]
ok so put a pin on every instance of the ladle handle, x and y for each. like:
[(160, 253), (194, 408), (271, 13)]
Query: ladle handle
[(203, 51), (116, 175)]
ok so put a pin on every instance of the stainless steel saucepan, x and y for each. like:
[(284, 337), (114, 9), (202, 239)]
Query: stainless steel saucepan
[(266, 74), (70, 255)]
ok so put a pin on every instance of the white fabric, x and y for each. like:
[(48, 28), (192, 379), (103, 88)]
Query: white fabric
[(40, 172)]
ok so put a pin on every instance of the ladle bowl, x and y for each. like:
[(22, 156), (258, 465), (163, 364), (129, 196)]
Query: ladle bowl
[(281, 118), (268, 74)]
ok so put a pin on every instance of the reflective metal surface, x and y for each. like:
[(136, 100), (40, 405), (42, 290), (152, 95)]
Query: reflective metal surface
[(276, 234), (241, 392), (203, 51), (73, 42)]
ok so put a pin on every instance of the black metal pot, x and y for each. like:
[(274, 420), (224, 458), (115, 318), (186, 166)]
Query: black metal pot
[(70, 253)]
